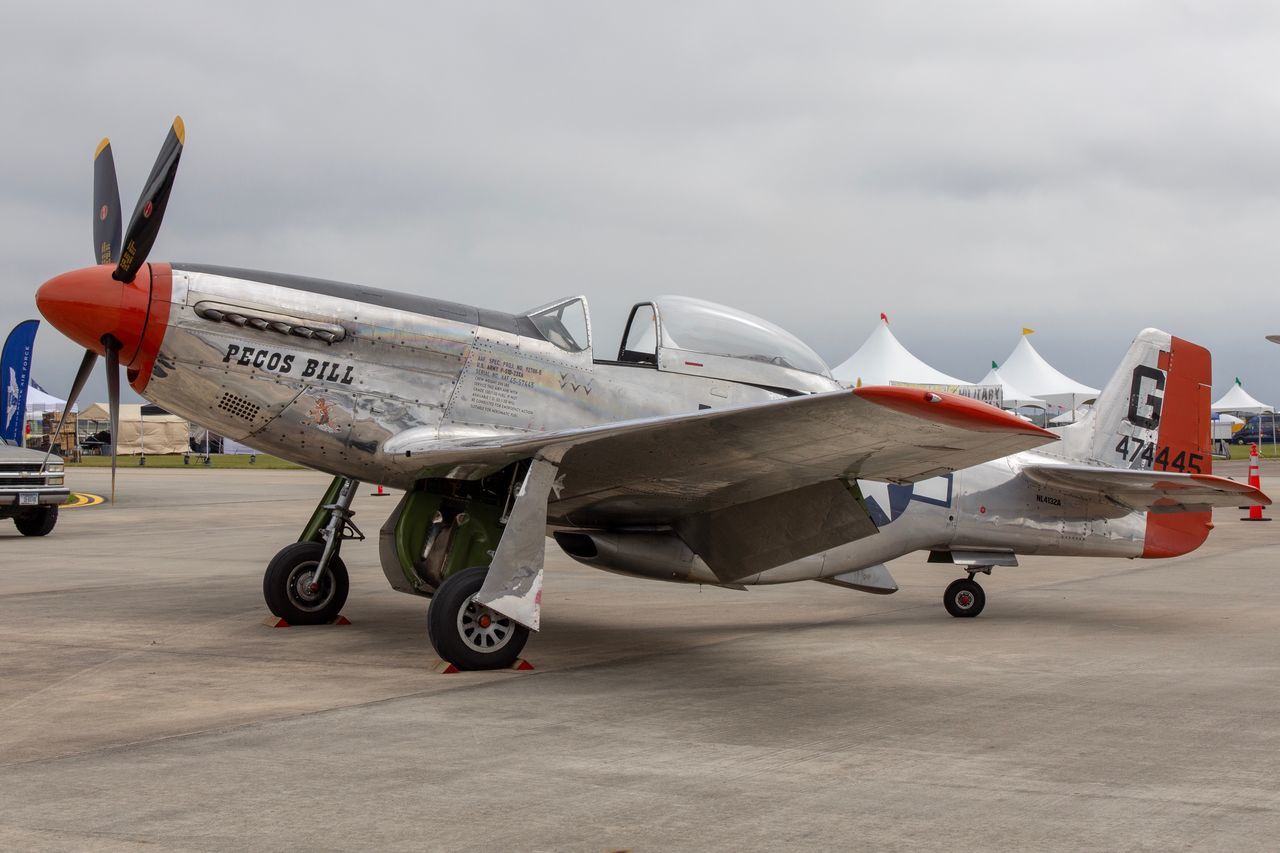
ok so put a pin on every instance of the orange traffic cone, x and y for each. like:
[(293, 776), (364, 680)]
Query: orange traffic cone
[(1255, 480), (379, 493)]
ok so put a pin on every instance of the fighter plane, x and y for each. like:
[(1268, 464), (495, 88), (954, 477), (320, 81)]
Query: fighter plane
[(713, 448)]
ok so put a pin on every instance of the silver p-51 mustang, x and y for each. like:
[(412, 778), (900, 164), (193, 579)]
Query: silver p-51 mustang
[(714, 448)]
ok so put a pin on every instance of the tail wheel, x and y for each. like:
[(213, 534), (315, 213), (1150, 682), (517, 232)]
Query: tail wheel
[(291, 591), (470, 635), (964, 597)]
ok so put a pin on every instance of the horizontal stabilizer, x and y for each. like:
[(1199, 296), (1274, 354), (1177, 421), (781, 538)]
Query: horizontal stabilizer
[(1156, 491), (873, 579)]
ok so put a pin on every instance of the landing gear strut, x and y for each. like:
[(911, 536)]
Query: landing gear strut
[(964, 597), (306, 582)]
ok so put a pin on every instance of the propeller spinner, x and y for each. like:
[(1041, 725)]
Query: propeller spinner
[(103, 309)]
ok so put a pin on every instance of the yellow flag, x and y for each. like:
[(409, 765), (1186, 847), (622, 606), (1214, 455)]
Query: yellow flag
[(1027, 331)]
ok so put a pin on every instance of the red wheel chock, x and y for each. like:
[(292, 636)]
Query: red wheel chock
[(277, 622), (446, 668)]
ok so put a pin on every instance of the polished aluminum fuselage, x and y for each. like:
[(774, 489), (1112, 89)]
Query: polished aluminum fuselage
[(331, 406), (404, 363)]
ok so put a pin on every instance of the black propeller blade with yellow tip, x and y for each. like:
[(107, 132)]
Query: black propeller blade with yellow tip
[(106, 205), (144, 225)]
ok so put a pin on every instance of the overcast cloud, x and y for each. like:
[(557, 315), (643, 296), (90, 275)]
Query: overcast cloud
[(1085, 169)]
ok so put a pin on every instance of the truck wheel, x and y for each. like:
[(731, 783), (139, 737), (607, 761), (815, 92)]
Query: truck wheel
[(470, 635), (37, 522)]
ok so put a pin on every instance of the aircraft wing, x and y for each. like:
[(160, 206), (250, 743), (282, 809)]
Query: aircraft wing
[(1156, 491), (747, 487)]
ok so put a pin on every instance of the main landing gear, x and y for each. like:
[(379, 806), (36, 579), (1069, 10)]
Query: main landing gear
[(480, 617), (439, 543), (468, 634), (964, 597), (474, 547), (306, 582)]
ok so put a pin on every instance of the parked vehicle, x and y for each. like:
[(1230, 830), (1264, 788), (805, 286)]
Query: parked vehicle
[(29, 495), (1259, 428)]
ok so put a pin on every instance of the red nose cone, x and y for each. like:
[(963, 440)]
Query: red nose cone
[(88, 303)]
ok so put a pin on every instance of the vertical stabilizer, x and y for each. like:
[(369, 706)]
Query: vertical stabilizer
[(1154, 416)]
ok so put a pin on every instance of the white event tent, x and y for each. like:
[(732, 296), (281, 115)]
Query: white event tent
[(883, 360), (1013, 396), (1240, 400), (139, 433), (40, 401), (1070, 416), (1027, 369)]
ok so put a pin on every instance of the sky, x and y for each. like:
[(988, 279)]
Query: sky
[(1084, 169)]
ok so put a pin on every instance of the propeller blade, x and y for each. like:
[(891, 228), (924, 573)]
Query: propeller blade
[(144, 225), (113, 402), (82, 376), (106, 205)]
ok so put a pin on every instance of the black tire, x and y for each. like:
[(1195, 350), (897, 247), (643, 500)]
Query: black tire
[(284, 585), (456, 631), (37, 522), (964, 598)]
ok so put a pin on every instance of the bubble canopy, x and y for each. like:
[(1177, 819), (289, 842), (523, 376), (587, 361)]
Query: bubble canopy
[(698, 326)]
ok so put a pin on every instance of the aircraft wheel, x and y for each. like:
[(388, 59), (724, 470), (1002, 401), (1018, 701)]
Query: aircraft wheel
[(469, 635), (37, 522), (287, 585), (964, 597)]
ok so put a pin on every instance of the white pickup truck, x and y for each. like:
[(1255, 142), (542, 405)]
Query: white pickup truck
[(28, 495)]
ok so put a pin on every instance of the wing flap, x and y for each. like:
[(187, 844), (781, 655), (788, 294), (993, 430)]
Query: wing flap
[(1155, 491), (748, 538)]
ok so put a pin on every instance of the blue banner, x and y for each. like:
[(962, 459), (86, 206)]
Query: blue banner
[(15, 371)]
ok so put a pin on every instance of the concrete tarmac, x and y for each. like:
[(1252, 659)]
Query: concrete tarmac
[(1096, 704)]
